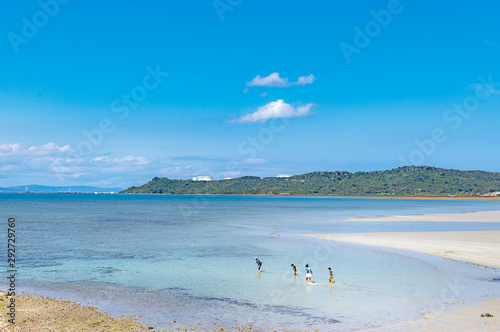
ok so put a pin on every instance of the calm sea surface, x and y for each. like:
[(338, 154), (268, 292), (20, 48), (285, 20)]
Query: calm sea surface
[(190, 259)]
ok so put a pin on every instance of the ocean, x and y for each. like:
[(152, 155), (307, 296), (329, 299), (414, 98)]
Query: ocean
[(188, 261)]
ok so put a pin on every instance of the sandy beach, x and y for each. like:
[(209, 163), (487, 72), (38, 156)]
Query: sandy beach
[(37, 313), (45, 314), (462, 317), (478, 247)]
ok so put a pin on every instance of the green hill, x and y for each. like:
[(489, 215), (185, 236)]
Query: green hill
[(408, 180)]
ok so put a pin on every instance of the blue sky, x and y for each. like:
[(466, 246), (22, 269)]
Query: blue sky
[(115, 93)]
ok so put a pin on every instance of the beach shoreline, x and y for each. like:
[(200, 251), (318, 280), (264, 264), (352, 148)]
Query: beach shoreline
[(475, 247), (39, 313)]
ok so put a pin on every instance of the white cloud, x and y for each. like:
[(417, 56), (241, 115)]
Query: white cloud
[(303, 80), (254, 161), (100, 158), (132, 160), (127, 160), (274, 80), (17, 149), (274, 110), (51, 164)]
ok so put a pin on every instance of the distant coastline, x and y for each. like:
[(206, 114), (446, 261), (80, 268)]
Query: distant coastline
[(36, 188), (408, 181), (475, 198), (478, 198)]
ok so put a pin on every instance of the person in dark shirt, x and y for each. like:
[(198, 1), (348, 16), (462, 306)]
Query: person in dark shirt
[(259, 264)]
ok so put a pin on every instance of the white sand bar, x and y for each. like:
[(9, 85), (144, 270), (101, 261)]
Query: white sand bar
[(480, 247), (479, 216)]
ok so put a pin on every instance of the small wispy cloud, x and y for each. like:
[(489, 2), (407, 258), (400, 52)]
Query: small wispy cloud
[(51, 161), (303, 80), (192, 158), (55, 164), (18, 149), (254, 161), (275, 81), (137, 160), (275, 110)]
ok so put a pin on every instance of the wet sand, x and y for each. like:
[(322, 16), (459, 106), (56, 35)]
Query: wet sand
[(34, 313), (38, 313), (462, 317)]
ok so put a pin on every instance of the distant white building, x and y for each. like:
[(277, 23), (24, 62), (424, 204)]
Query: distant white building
[(493, 194), (202, 178), (284, 176)]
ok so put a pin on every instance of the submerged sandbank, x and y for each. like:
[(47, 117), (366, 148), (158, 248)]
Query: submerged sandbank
[(477, 216), (478, 247)]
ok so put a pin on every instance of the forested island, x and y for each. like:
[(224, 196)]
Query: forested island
[(403, 181)]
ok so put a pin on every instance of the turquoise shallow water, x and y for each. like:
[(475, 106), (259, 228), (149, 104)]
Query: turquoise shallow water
[(190, 259)]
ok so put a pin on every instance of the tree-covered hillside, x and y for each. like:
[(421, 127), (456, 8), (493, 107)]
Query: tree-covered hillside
[(408, 180)]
